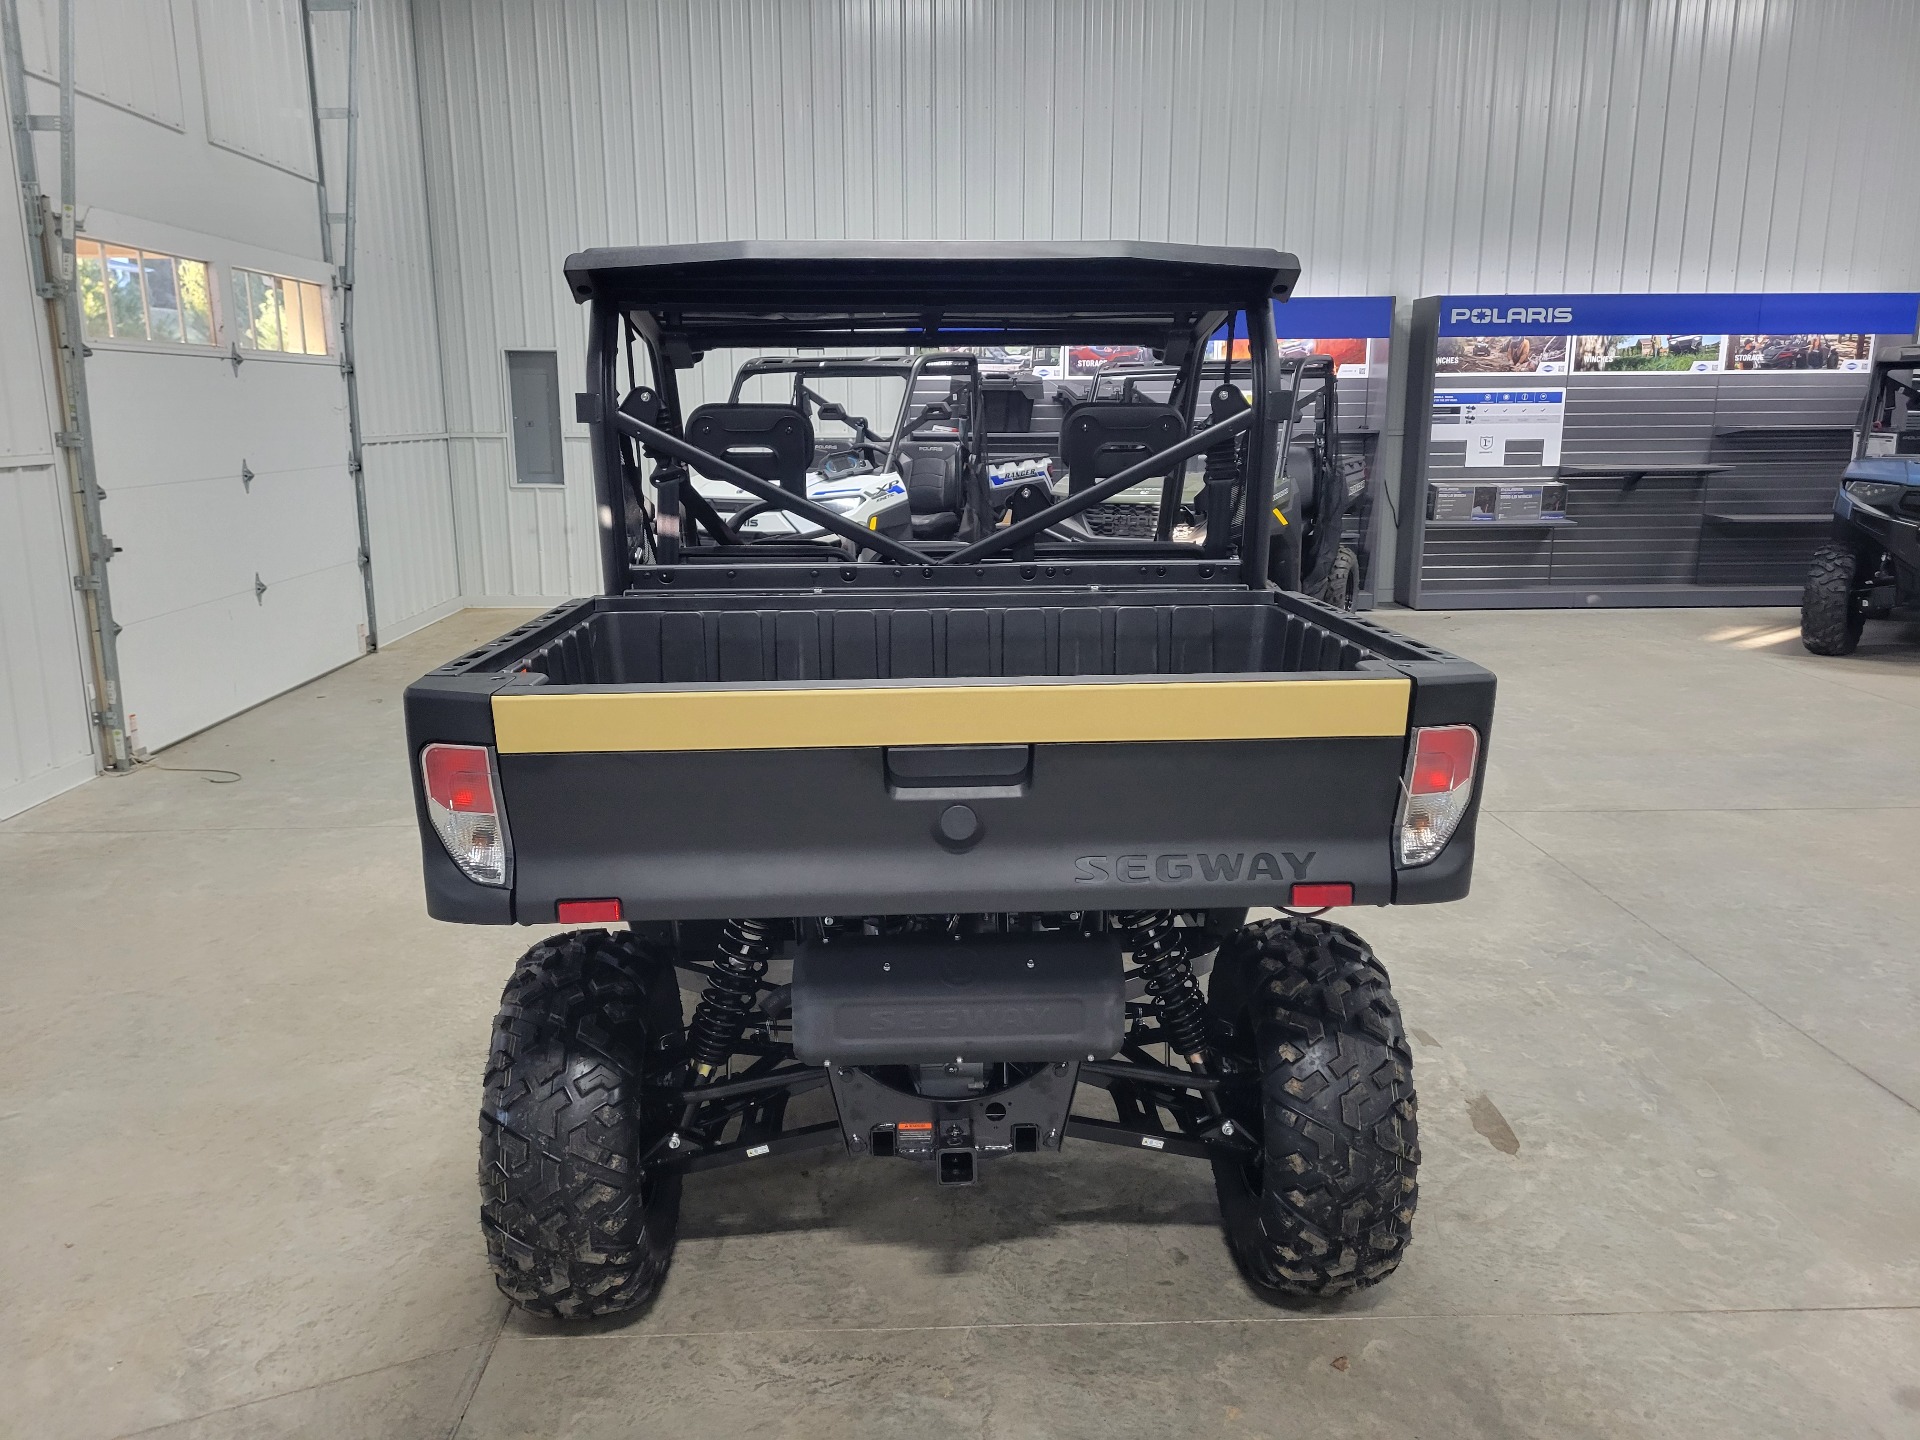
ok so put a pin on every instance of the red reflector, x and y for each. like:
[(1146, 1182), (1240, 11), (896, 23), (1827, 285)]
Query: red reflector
[(459, 778), (588, 912), (1443, 757), (1319, 897)]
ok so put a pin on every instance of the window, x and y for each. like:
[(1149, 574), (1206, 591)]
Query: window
[(274, 312), (128, 294), (533, 388)]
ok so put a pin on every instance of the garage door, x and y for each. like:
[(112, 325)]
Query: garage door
[(228, 494)]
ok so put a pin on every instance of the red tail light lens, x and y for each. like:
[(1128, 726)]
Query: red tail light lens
[(1438, 786), (464, 805), (588, 912), (1443, 757)]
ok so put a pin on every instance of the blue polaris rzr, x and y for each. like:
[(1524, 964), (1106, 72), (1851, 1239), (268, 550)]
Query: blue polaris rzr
[(1870, 568)]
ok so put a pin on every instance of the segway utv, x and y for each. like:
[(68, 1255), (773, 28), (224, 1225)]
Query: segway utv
[(943, 815)]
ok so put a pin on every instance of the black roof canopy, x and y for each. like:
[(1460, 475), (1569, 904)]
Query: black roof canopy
[(827, 292)]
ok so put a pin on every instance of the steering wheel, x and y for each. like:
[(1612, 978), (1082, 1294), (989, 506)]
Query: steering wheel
[(761, 507), (740, 518)]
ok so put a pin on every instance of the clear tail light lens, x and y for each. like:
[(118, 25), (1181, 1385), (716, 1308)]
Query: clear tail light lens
[(463, 799), (1438, 785)]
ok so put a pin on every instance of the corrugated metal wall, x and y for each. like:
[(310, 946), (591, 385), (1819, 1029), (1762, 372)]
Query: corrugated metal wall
[(46, 740), (405, 447), (1478, 146), (254, 67)]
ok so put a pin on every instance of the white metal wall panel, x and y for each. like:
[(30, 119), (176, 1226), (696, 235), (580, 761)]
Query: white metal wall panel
[(253, 73), (46, 739), (409, 481), (1397, 147), (125, 53), (26, 386)]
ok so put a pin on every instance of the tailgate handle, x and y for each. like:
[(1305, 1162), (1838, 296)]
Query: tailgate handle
[(958, 772)]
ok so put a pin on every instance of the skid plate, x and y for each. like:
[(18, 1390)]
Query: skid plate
[(864, 1000)]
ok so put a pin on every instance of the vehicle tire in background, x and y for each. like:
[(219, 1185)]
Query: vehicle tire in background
[(1343, 580), (1326, 1206), (1832, 612), (576, 1227)]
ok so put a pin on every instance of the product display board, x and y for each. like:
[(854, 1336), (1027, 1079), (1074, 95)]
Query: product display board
[(1497, 428), (1353, 331), (1651, 449)]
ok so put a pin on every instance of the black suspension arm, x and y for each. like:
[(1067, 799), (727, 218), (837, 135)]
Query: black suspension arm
[(1011, 535), (656, 439), (1144, 1074), (794, 1080)]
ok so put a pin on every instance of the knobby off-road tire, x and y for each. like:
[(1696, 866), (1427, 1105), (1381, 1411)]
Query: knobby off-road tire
[(1343, 580), (1328, 1205), (575, 1228), (1831, 614)]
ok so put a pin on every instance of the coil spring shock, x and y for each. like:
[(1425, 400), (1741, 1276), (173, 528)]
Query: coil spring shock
[(1162, 957), (730, 993)]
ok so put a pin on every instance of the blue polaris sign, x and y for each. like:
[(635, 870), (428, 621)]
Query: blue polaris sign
[(1869, 313), (1327, 317)]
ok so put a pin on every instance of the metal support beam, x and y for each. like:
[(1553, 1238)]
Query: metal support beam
[(52, 251), (1079, 1127), (341, 257)]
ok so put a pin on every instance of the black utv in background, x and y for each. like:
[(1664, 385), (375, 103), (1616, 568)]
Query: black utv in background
[(1869, 568), (938, 798)]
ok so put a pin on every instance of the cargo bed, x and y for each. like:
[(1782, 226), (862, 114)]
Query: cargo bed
[(702, 755)]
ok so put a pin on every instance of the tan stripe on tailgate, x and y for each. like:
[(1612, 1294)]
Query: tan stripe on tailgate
[(824, 717)]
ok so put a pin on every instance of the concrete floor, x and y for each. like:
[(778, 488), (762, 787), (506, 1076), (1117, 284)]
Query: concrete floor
[(1666, 1055)]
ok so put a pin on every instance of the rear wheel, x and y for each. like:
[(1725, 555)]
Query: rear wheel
[(576, 1225), (1327, 1204), (1833, 611)]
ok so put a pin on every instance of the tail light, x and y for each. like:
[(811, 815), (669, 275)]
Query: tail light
[(463, 799), (1438, 786)]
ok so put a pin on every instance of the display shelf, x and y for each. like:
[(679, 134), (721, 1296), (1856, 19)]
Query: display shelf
[(1785, 430), (1721, 517), (1500, 524), (1633, 470)]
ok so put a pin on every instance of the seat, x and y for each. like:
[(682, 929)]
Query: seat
[(773, 442), (1099, 439), (936, 475)]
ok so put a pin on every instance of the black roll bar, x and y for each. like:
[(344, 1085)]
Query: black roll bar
[(616, 545), (1262, 459), (656, 439)]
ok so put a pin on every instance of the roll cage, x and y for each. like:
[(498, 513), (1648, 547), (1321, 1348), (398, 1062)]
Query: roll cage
[(662, 308)]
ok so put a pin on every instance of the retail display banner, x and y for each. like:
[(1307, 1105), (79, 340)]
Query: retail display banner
[(1666, 334), (1339, 326), (1629, 449), (1874, 313)]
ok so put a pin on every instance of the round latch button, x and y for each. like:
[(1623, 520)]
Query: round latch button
[(958, 824)]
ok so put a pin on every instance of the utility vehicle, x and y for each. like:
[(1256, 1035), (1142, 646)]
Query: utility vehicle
[(1317, 489), (1869, 568), (944, 818)]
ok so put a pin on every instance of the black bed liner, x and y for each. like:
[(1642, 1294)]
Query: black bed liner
[(622, 643)]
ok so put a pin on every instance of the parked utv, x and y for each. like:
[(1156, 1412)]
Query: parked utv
[(941, 812), (1869, 569)]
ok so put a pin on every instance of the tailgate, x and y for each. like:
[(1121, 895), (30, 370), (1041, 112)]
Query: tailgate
[(697, 757), (903, 797)]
